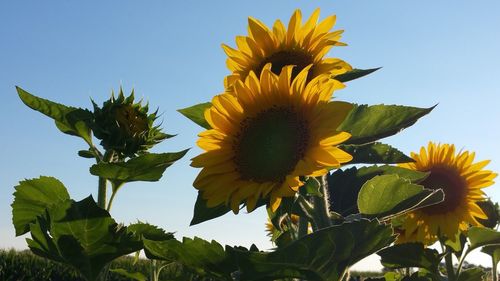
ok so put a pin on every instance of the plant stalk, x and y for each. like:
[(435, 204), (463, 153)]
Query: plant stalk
[(449, 265), (321, 207), (494, 270)]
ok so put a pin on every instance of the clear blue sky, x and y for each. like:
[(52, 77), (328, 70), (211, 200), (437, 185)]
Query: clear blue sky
[(444, 52)]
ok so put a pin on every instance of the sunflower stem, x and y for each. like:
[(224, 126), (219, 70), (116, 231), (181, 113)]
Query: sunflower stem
[(102, 184), (321, 207), (494, 274), (449, 265), (303, 225)]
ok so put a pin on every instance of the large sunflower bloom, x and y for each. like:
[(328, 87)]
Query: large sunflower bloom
[(267, 134), (461, 181), (299, 45)]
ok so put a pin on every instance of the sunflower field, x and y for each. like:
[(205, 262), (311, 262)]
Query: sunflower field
[(277, 138)]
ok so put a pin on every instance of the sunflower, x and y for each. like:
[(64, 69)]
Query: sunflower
[(299, 45), (461, 181), (267, 134)]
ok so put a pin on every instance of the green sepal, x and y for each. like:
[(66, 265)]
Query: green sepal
[(31, 199), (387, 196), (370, 123), (354, 74), (196, 113), (81, 234), (344, 185), (322, 255), (69, 120), (146, 167), (375, 153), (203, 257)]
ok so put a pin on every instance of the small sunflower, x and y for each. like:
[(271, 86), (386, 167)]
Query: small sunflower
[(299, 45), (461, 181), (267, 134)]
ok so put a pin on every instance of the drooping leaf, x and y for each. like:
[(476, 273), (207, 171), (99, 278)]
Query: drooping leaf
[(203, 257), (492, 211), (482, 236), (472, 274), (375, 153), (322, 255), (131, 275), (494, 252), (69, 120), (148, 231), (82, 235), (390, 195), (410, 255), (344, 185), (196, 113), (354, 74), (32, 197), (146, 167), (370, 123)]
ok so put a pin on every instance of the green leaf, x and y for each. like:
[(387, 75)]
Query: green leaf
[(354, 74), (322, 255), (143, 230), (86, 154), (196, 113), (146, 167), (32, 197), (410, 255), (482, 236), (390, 195), (312, 188), (473, 274), (82, 235), (494, 252), (344, 185), (131, 275), (203, 257), (69, 120), (369, 123), (375, 153)]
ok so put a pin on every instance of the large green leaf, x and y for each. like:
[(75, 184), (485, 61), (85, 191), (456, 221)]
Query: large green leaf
[(472, 274), (370, 123), (375, 153), (82, 235), (344, 185), (203, 257), (131, 275), (390, 195), (69, 120), (146, 167), (32, 197), (354, 74), (410, 255), (196, 113), (494, 252), (322, 255), (481, 236), (143, 230)]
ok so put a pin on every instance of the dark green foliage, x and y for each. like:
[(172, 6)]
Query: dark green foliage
[(375, 153), (16, 266), (370, 123)]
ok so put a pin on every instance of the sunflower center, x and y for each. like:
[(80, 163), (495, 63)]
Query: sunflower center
[(270, 144), (283, 58), (453, 186)]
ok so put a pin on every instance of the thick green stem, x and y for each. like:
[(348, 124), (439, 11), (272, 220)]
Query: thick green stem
[(303, 226), (101, 193), (449, 265), (113, 194), (321, 207), (494, 270)]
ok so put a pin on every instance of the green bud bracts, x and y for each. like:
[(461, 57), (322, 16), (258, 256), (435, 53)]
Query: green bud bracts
[(126, 127)]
